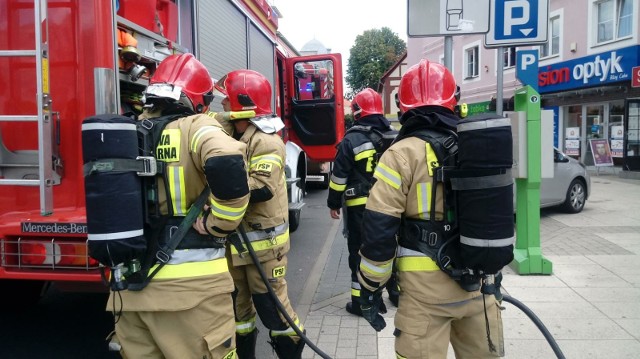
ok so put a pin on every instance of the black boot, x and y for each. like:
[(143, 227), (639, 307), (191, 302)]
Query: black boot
[(246, 345), (354, 308), (286, 347)]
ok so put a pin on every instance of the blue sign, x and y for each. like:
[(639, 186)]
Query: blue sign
[(518, 22), (516, 19), (603, 68), (527, 67)]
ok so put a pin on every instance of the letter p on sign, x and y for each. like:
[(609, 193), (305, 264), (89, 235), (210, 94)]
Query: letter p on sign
[(527, 67)]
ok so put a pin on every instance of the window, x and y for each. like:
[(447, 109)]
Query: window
[(509, 56), (552, 47), (471, 62), (614, 19)]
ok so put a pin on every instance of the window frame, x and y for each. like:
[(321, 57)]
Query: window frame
[(553, 37), (475, 47), (615, 20)]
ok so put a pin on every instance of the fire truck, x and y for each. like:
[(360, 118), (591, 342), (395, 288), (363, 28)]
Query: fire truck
[(62, 61)]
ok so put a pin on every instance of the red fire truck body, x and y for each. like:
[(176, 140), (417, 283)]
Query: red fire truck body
[(62, 61)]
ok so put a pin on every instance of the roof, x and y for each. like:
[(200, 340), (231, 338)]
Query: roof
[(316, 47)]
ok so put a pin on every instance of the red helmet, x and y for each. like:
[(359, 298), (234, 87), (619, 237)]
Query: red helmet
[(367, 102), (427, 84), (247, 90), (181, 78)]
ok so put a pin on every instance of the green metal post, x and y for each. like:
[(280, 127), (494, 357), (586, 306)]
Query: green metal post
[(528, 257)]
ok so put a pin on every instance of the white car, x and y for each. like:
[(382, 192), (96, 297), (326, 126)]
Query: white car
[(569, 187)]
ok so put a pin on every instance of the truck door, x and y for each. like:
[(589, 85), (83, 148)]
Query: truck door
[(314, 98)]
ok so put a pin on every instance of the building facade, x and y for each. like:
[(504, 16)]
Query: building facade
[(589, 75)]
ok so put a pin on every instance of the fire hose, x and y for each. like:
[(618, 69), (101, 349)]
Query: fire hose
[(273, 295)]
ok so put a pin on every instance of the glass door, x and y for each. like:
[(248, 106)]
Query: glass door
[(594, 129)]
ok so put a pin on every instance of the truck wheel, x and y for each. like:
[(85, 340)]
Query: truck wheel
[(294, 220)]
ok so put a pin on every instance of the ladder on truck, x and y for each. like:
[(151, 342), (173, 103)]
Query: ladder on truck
[(14, 164)]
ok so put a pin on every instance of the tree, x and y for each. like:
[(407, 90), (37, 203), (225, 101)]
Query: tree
[(372, 54)]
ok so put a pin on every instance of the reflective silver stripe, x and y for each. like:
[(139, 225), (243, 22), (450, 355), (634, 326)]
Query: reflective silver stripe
[(289, 331), (259, 235), (338, 180), (180, 256), (355, 285), (479, 125), (267, 158), (177, 189), (198, 135), (363, 147), (108, 126), (374, 268), (114, 235), (423, 200), (246, 327), (477, 242), (388, 175), (406, 252)]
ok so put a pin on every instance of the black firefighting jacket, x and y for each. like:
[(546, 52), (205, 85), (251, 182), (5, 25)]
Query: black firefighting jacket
[(356, 160)]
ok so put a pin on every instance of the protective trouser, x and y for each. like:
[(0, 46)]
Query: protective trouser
[(251, 296), (199, 332), (424, 330), (354, 240)]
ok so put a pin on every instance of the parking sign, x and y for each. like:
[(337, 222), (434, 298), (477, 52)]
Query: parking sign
[(517, 22)]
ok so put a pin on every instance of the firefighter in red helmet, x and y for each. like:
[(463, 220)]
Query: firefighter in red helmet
[(408, 199), (266, 220), (350, 181), (173, 315)]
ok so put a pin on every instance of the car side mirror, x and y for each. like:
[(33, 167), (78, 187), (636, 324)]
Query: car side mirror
[(560, 157)]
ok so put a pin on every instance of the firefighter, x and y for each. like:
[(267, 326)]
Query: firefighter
[(434, 309), (350, 180), (266, 220), (185, 311)]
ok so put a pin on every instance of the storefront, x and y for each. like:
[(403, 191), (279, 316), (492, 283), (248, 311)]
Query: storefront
[(594, 97)]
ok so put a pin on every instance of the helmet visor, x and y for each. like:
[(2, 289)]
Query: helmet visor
[(163, 91)]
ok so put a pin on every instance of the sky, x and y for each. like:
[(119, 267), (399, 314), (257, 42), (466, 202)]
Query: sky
[(337, 23)]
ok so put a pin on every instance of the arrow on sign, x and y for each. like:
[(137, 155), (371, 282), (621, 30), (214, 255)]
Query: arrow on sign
[(526, 32)]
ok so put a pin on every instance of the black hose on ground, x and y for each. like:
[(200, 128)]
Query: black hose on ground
[(281, 308), (537, 322)]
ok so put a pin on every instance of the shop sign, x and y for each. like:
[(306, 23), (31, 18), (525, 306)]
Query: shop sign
[(604, 68)]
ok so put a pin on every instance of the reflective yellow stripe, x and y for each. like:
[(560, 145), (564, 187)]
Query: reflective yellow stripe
[(247, 326), (365, 154), (226, 212), (177, 190), (432, 159), (289, 331), (355, 292), (424, 199), (275, 159), (416, 264), (356, 201), (266, 243), (337, 187), (376, 270), (398, 356), (198, 135), (191, 269), (388, 175)]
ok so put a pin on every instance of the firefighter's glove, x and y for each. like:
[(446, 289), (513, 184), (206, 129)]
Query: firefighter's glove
[(371, 305)]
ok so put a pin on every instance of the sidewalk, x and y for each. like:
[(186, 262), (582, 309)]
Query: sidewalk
[(590, 304)]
